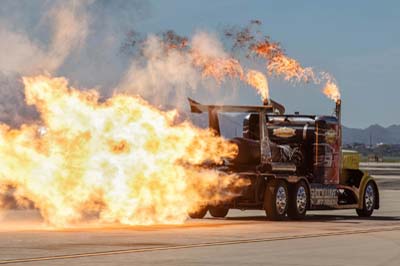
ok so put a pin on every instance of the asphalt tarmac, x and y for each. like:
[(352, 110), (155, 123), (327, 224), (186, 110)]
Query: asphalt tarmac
[(244, 238)]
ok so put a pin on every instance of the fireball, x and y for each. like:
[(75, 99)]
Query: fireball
[(117, 161)]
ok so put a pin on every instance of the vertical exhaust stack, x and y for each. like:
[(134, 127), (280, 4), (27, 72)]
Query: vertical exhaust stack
[(265, 148), (338, 111)]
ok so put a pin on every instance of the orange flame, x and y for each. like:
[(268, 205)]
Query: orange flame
[(219, 68), (208, 54), (120, 160), (279, 64), (267, 49), (331, 90), (259, 82), (290, 69)]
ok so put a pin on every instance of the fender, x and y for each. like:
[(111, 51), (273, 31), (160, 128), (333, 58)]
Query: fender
[(364, 180)]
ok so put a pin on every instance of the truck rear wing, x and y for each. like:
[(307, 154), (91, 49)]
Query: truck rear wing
[(262, 110), (272, 107)]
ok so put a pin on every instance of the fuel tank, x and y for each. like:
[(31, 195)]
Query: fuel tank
[(282, 129)]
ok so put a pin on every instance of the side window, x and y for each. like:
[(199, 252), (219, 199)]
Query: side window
[(254, 131)]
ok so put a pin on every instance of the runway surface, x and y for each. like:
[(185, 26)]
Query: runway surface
[(244, 238)]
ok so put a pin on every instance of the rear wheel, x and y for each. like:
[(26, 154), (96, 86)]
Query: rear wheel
[(276, 199), (298, 200), (369, 201), (218, 211), (199, 213)]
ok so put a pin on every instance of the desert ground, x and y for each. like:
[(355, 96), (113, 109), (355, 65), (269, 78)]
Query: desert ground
[(243, 238)]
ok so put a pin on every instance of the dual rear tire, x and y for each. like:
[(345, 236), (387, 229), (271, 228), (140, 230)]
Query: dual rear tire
[(298, 200), (281, 199), (215, 211), (276, 199)]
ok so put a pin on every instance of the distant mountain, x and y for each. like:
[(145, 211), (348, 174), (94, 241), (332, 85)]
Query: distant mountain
[(231, 126), (373, 134)]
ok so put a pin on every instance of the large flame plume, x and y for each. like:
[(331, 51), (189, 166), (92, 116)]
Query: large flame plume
[(121, 160)]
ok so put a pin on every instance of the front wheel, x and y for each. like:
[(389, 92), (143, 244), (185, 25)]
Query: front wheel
[(369, 201), (276, 199), (298, 200)]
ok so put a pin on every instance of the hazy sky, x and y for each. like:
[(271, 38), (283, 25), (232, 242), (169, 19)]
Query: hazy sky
[(356, 41)]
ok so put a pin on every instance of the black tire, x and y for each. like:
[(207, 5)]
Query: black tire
[(276, 200), (199, 214), (369, 202), (298, 200), (218, 211)]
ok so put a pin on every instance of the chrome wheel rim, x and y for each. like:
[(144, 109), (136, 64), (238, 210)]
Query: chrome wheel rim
[(301, 200), (369, 198), (281, 200)]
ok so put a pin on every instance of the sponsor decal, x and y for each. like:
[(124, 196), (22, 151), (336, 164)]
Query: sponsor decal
[(284, 132), (323, 195)]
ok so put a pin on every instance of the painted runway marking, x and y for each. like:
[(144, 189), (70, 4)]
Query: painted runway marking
[(199, 245)]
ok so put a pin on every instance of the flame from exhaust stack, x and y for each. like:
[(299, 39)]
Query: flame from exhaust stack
[(220, 66), (259, 81), (291, 70), (331, 90), (120, 161), (208, 54), (277, 62), (181, 58)]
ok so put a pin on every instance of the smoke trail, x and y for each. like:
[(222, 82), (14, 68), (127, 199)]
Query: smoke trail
[(68, 23), (23, 55), (168, 67)]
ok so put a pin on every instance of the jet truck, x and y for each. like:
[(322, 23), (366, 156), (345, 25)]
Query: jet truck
[(292, 162)]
